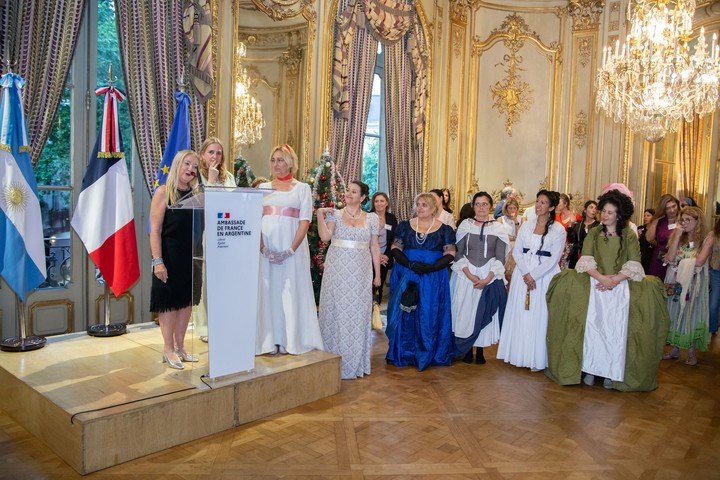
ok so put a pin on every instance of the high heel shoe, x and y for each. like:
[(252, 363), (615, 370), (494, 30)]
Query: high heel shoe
[(186, 357), (173, 364)]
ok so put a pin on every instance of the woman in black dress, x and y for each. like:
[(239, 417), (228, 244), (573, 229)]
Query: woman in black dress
[(172, 295), (577, 233), (388, 224)]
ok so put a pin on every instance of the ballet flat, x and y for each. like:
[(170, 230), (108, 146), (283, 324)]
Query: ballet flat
[(172, 364), (186, 357)]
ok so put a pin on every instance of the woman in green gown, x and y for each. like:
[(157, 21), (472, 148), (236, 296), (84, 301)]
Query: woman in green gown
[(606, 318)]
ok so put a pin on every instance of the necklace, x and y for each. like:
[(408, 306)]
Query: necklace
[(422, 237), (356, 215), (286, 178)]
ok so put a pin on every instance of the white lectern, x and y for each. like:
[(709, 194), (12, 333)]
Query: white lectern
[(230, 218)]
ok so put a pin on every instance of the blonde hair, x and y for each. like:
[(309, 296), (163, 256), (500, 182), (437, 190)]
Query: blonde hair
[(288, 154), (700, 231), (508, 202), (428, 198), (204, 166), (172, 179)]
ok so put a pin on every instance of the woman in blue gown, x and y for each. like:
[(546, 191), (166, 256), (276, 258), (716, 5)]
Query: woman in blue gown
[(419, 325)]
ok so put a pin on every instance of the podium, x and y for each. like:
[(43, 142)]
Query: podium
[(226, 244)]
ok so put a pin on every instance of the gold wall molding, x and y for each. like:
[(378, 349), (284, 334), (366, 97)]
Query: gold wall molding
[(459, 11), (512, 95), (130, 307), (477, 4), (63, 302), (580, 129), (453, 122), (284, 9), (585, 13), (457, 41), (514, 33), (585, 50), (211, 104)]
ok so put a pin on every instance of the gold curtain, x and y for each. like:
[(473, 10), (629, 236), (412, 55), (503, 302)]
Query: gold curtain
[(690, 136)]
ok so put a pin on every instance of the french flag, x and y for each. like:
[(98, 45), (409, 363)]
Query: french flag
[(104, 218)]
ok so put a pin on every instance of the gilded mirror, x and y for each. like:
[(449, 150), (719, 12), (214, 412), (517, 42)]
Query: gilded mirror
[(272, 40)]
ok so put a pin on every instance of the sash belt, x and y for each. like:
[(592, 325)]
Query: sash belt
[(339, 242), (283, 211), (542, 253)]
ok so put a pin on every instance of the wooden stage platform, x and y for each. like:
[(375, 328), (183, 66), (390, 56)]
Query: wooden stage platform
[(98, 402)]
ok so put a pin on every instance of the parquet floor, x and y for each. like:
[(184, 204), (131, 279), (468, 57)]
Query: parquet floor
[(488, 421)]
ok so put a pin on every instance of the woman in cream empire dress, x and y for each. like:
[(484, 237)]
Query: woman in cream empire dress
[(287, 316), (538, 247)]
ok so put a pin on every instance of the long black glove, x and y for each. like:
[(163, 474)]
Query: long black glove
[(441, 264), (400, 257)]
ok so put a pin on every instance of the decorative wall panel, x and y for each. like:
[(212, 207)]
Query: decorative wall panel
[(515, 86)]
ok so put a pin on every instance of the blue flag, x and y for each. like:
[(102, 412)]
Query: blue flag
[(179, 138), (22, 263)]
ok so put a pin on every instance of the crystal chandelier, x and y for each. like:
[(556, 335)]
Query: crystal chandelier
[(654, 81), (248, 122)]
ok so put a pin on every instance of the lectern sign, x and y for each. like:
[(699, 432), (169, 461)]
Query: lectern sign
[(232, 246)]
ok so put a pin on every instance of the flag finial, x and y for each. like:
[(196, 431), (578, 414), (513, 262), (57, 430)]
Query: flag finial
[(111, 79)]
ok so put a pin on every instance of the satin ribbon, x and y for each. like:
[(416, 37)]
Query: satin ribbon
[(339, 242), (283, 211)]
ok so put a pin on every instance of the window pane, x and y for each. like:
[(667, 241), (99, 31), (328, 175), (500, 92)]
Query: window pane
[(53, 166), (373, 122), (371, 157), (109, 54), (55, 210)]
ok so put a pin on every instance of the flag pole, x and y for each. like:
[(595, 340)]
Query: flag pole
[(22, 343), (107, 329)]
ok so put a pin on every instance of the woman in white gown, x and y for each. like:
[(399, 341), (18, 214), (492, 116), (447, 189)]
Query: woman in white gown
[(538, 247), (477, 282), (287, 317)]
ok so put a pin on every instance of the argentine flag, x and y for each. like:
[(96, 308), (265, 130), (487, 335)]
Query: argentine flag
[(22, 263)]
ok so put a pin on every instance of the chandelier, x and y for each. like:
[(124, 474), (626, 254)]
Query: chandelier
[(248, 122), (653, 81)]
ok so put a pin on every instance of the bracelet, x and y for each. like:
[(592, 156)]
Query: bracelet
[(157, 261)]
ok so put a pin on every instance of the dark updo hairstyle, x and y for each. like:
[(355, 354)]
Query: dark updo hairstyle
[(622, 203), (587, 204), (482, 194), (554, 198), (364, 190), (625, 209)]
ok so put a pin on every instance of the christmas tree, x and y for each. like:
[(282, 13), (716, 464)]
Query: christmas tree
[(244, 175), (328, 189)]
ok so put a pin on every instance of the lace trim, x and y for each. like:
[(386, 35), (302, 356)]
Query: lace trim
[(633, 270), (585, 264)]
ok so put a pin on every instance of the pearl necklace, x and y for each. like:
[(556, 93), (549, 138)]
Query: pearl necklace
[(422, 237)]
